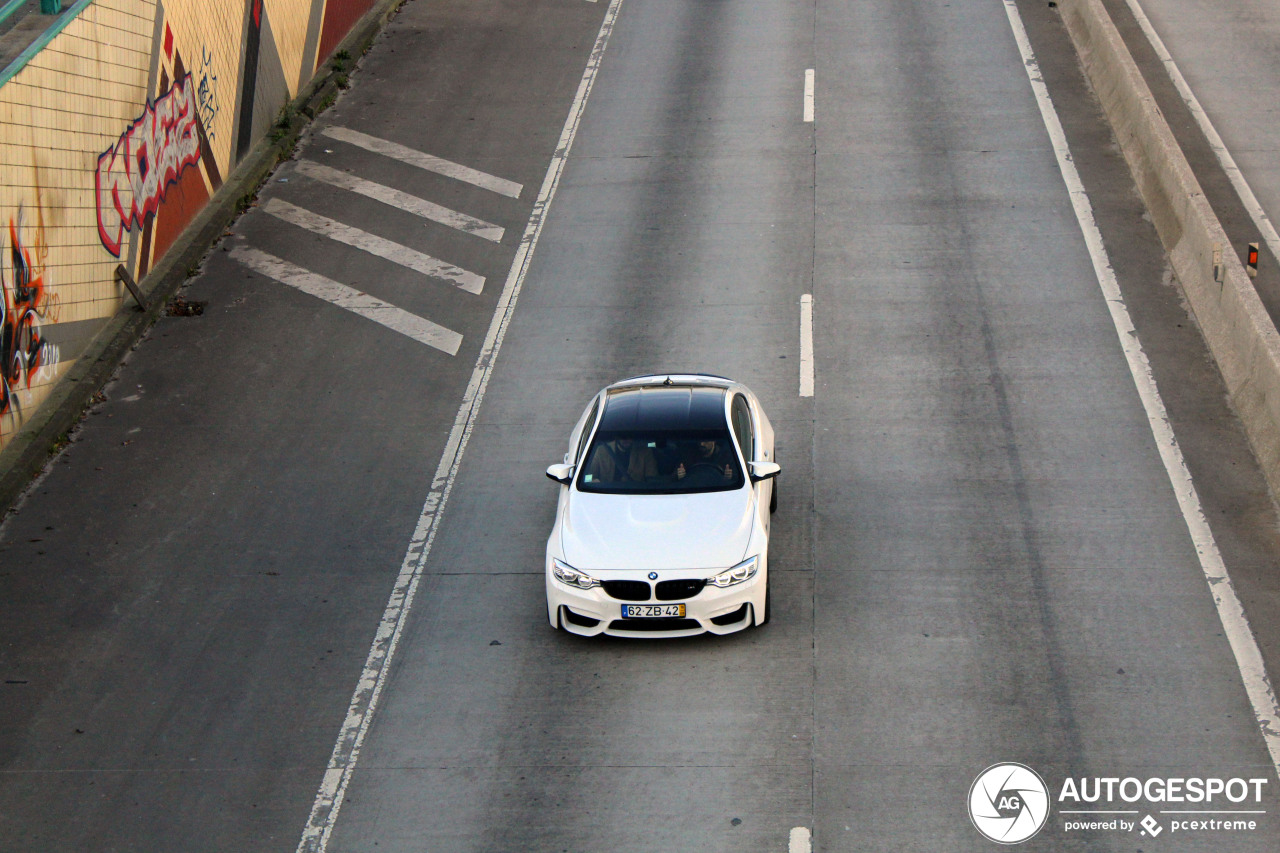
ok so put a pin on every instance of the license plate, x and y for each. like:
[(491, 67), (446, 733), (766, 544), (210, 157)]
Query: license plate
[(652, 611)]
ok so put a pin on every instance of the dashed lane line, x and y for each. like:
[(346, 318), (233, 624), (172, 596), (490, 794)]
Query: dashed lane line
[(375, 245), (806, 345), (808, 95), (401, 200), (411, 325), (428, 162)]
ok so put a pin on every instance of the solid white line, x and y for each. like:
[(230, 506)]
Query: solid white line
[(364, 701), (374, 245), (401, 200), (806, 345), (1230, 611), (800, 841), (1242, 188), (420, 329), (808, 94), (425, 161)]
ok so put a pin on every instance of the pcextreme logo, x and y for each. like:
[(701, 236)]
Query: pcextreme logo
[(1008, 803)]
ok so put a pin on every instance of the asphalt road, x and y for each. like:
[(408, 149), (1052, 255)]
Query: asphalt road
[(978, 555)]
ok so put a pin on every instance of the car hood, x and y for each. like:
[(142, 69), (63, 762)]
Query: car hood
[(655, 532)]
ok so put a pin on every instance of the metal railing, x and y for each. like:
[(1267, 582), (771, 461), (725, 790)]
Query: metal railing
[(26, 26)]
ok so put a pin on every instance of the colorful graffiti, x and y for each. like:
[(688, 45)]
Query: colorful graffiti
[(148, 157), (207, 94), (27, 303), (171, 130)]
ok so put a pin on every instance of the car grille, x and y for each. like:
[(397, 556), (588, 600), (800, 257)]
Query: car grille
[(654, 624), (627, 590), (672, 590)]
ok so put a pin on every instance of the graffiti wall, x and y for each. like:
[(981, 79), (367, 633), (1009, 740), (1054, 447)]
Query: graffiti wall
[(113, 137)]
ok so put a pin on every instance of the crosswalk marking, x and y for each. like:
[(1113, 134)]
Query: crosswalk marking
[(402, 200), (375, 245), (397, 319), (425, 161)]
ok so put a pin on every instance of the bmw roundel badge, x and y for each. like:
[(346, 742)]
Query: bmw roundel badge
[(653, 576)]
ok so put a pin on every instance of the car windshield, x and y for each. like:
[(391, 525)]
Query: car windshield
[(661, 462)]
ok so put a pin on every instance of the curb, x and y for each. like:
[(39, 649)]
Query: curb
[(1235, 324), (48, 430)]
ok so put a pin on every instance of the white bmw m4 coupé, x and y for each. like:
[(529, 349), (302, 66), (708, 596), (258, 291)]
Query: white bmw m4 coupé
[(662, 528)]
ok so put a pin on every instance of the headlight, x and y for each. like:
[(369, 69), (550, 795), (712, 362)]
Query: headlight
[(744, 571), (567, 574)]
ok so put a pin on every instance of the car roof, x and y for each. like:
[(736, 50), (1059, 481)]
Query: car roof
[(664, 407)]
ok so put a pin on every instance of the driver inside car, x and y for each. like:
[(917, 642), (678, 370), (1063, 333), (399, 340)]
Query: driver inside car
[(707, 452)]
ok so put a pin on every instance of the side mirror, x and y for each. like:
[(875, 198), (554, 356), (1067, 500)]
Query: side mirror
[(562, 474), (763, 470)]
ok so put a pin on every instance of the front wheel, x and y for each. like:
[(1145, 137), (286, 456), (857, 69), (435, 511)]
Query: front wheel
[(773, 496)]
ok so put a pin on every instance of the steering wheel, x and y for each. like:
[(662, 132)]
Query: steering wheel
[(714, 471)]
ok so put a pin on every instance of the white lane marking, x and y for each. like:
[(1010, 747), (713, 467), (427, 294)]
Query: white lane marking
[(375, 245), (439, 165), (1230, 611), (808, 94), (800, 841), (364, 701), (1242, 188), (420, 329), (401, 200), (806, 345)]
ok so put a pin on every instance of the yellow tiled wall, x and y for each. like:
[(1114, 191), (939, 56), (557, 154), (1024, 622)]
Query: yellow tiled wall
[(74, 101)]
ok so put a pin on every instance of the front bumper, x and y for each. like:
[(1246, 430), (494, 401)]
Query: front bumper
[(588, 612)]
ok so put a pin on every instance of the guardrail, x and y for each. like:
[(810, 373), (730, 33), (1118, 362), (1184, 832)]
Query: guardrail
[(31, 26)]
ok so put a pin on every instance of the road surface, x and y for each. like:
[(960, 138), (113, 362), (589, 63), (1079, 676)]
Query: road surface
[(979, 556)]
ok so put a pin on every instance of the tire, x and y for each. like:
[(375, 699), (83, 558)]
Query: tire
[(773, 496)]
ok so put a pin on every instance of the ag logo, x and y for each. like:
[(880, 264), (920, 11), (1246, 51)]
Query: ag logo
[(1008, 803)]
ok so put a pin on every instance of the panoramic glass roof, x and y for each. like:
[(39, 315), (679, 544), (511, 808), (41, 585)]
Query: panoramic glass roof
[(673, 408)]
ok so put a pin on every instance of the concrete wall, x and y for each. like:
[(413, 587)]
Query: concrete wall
[(112, 137), (1232, 318)]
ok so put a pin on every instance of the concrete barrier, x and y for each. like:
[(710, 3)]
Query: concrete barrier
[(1239, 332)]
